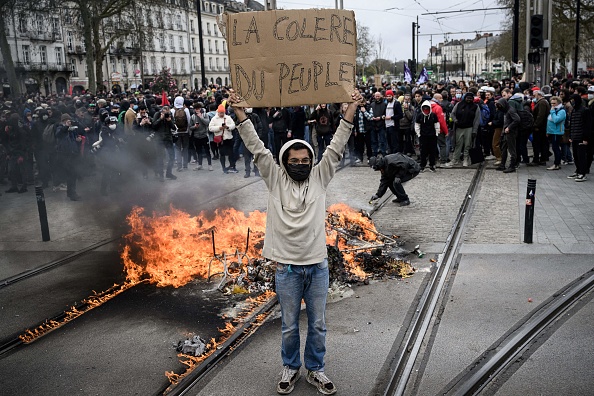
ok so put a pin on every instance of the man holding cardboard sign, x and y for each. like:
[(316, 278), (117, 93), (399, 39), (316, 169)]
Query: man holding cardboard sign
[(292, 57), (296, 239)]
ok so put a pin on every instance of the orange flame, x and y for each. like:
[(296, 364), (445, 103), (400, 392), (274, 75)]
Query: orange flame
[(173, 249)]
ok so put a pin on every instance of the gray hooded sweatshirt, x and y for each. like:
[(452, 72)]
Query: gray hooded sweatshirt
[(296, 214)]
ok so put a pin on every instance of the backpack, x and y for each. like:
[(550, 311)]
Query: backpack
[(526, 119), (323, 120), (485, 114), (49, 134), (181, 122)]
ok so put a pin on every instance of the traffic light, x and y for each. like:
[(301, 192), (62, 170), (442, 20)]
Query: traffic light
[(536, 30), (534, 58)]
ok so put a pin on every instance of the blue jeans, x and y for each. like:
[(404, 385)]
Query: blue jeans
[(378, 141), (310, 283)]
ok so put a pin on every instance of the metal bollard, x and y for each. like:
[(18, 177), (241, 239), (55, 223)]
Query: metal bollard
[(529, 217), (45, 235)]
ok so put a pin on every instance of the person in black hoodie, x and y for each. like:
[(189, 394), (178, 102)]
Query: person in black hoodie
[(580, 136), (281, 125), (511, 126), (427, 129), (467, 117), (395, 169), (324, 128), (17, 152)]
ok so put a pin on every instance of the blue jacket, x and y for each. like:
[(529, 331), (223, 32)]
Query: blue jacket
[(556, 121)]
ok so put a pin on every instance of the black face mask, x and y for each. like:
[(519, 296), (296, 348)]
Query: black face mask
[(298, 172)]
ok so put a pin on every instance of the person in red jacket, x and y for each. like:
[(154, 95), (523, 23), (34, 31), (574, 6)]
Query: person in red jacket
[(443, 128)]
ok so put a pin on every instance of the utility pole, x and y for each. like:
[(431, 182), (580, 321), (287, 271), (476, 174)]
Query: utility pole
[(528, 68), (577, 39), (515, 37), (417, 58), (414, 67), (204, 82)]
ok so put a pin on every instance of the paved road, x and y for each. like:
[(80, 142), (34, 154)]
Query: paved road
[(496, 274)]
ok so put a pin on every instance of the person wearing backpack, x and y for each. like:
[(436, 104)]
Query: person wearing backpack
[(181, 118), (540, 144)]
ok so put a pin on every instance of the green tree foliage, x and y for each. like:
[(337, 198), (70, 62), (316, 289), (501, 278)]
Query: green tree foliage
[(164, 82)]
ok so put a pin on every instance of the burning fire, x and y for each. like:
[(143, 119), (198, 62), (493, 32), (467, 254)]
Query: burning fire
[(171, 250), (97, 299)]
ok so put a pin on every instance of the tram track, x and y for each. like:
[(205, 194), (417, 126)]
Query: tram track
[(410, 350)]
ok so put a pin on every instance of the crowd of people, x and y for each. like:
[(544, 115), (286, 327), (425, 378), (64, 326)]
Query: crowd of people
[(55, 141)]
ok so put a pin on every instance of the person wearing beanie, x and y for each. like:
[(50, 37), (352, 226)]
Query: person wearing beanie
[(540, 143), (393, 116), (222, 127)]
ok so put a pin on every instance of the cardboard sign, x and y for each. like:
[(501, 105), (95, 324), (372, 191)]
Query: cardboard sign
[(292, 57)]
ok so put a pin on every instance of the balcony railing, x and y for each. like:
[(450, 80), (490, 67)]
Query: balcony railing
[(38, 66)]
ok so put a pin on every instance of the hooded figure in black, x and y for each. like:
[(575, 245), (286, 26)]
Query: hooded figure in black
[(395, 169), (17, 151), (580, 137), (509, 135)]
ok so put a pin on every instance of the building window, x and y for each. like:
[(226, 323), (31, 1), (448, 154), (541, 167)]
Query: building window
[(26, 54), (210, 62), (195, 63), (192, 25), (43, 54), (59, 56), (124, 71), (56, 25), (208, 28), (39, 25), (225, 62), (217, 62), (173, 66), (193, 44), (69, 41), (216, 46), (114, 67), (163, 62), (209, 46), (171, 43), (183, 65), (181, 43), (86, 70), (22, 25), (73, 67)]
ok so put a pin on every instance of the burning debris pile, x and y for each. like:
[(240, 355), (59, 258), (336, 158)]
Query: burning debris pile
[(174, 249)]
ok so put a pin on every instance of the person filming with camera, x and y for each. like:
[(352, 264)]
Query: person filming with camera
[(162, 125)]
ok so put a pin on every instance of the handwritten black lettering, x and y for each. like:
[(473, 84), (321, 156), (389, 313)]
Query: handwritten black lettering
[(239, 72), (235, 42), (341, 71), (301, 86), (282, 74), (347, 31), (335, 24), (329, 83), (318, 70), (275, 30), (253, 29), (258, 95), (316, 38), (293, 37), (302, 35), (293, 78)]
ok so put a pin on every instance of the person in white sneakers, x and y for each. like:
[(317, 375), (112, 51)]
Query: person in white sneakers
[(296, 240)]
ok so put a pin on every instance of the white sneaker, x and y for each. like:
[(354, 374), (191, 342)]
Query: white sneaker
[(321, 381), (466, 163), (198, 167), (490, 157), (498, 162), (210, 168), (581, 178), (447, 164), (288, 379)]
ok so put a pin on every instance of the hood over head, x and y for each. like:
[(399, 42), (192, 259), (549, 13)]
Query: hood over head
[(426, 103), (284, 152), (377, 163), (178, 103), (577, 101), (504, 104)]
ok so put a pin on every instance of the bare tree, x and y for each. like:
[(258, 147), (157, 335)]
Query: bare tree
[(364, 46), (6, 8)]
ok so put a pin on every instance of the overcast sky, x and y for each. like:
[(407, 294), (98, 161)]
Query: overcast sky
[(392, 19)]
